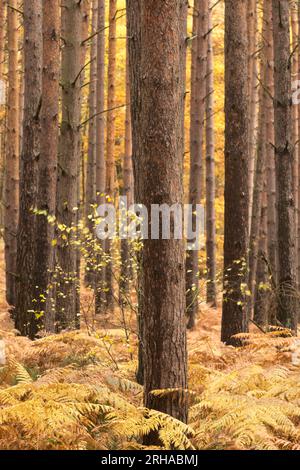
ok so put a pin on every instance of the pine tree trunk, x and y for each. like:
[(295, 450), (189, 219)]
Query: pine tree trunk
[(284, 158), (270, 155), (298, 202), (69, 157), (100, 149), (133, 8), (159, 180), (126, 263), (46, 196), (234, 318), (11, 183), (252, 83), (110, 140), (259, 167), (90, 186), (198, 104), (295, 133), (2, 34), (211, 295), (24, 316), (261, 294), (3, 117)]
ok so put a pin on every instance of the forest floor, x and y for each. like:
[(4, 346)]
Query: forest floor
[(77, 390)]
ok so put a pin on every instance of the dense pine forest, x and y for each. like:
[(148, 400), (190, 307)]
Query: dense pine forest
[(150, 225)]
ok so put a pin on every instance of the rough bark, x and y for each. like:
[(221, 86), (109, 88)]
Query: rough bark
[(11, 183), (134, 56), (298, 224), (284, 158), (90, 185), (127, 191), (211, 293), (110, 140), (234, 318), (159, 180), (259, 165), (46, 195), (2, 34), (25, 319), (261, 306), (252, 83), (196, 155), (295, 111), (270, 157), (68, 165), (4, 116), (100, 147)]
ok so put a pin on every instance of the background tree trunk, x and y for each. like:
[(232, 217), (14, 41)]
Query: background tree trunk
[(126, 262), (234, 318), (69, 157), (196, 155), (100, 150), (11, 183), (24, 316), (46, 196), (286, 306), (134, 57), (90, 186), (211, 295), (270, 155), (110, 141), (260, 161), (253, 95)]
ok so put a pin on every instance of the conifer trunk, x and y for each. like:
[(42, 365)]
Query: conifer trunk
[(46, 195), (234, 318), (211, 295), (90, 186), (252, 83), (110, 140), (159, 180), (284, 157), (126, 262), (25, 318), (69, 157), (100, 297), (198, 103), (11, 183)]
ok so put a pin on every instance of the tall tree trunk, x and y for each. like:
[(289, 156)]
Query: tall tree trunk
[(46, 196), (69, 156), (3, 118), (110, 141), (234, 318), (196, 155), (159, 180), (126, 263), (90, 187), (259, 165), (2, 34), (211, 295), (298, 202), (261, 294), (295, 133), (270, 154), (24, 316), (134, 34), (286, 305), (100, 150), (252, 83), (11, 184)]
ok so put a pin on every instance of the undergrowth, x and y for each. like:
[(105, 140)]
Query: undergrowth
[(78, 391)]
